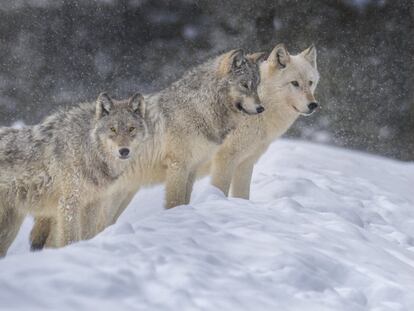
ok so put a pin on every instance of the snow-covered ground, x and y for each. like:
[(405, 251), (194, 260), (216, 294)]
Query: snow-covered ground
[(326, 229)]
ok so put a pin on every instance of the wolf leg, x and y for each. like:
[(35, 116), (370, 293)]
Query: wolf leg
[(10, 223), (92, 215), (40, 233), (222, 170), (68, 221), (176, 183), (189, 187), (52, 239), (240, 185)]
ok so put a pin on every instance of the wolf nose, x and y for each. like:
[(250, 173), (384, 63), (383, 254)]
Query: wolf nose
[(260, 109), (124, 152), (312, 106)]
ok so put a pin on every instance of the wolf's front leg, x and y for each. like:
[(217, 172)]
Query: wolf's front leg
[(222, 170), (176, 183), (91, 216), (69, 221), (240, 184), (189, 188)]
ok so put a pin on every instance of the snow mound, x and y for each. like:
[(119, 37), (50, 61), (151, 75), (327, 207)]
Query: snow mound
[(326, 229)]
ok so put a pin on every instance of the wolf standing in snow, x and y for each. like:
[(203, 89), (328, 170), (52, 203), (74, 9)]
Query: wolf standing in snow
[(287, 87), (187, 123), (60, 166)]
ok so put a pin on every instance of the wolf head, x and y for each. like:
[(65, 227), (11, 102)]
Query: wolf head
[(293, 77), (242, 74), (120, 126)]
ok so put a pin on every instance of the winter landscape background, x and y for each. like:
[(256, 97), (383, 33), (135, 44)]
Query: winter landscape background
[(56, 52), (326, 228)]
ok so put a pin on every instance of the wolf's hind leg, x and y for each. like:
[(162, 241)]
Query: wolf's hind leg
[(40, 233), (189, 186), (10, 223), (52, 238)]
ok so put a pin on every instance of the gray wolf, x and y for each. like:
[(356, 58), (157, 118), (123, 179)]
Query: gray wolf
[(60, 166), (189, 120)]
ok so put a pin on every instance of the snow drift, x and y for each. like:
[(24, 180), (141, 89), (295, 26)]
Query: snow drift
[(326, 229)]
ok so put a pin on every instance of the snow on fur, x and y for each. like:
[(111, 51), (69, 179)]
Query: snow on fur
[(326, 229)]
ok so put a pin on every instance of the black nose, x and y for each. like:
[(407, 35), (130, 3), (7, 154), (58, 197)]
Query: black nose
[(312, 106), (260, 109), (124, 152)]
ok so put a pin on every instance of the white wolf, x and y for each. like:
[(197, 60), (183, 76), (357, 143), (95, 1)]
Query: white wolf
[(286, 90)]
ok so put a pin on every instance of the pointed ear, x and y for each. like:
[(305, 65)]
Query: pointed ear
[(256, 58), (237, 59), (279, 57), (310, 55), (104, 105), (137, 104), (230, 61)]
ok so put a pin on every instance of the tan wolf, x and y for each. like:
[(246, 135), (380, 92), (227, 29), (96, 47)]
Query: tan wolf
[(287, 87), (187, 123), (58, 167)]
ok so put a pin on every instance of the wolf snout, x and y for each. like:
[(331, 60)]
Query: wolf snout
[(312, 106), (249, 107), (124, 153), (260, 109)]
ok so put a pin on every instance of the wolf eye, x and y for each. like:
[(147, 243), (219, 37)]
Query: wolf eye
[(295, 83), (131, 129), (113, 129), (310, 83), (244, 85)]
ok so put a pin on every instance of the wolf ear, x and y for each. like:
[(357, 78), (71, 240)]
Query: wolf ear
[(310, 55), (137, 104), (230, 61), (104, 105), (279, 57), (237, 58), (256, 57)]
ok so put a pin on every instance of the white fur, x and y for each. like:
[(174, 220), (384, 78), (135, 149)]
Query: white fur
[(233, 164)]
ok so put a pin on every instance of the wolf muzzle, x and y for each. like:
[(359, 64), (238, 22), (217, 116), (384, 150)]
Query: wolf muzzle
[(124, 153)]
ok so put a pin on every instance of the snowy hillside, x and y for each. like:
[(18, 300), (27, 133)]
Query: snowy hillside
[(327, 229)]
